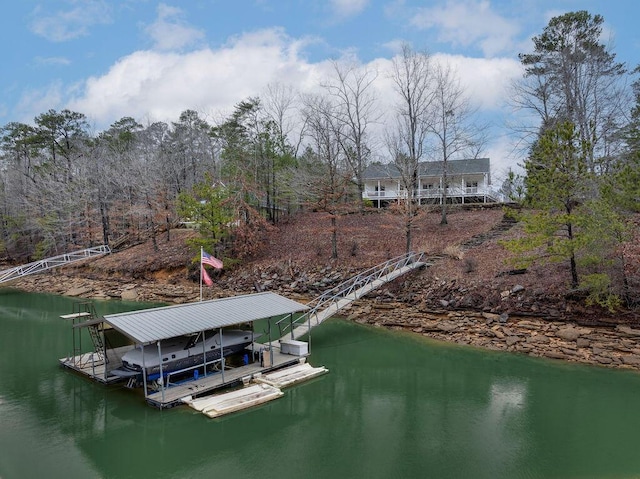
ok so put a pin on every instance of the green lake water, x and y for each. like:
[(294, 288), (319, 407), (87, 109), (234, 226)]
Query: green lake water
[(392, 406)]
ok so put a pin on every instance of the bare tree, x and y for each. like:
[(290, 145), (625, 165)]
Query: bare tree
[(280, 107), (355, 108), (324, 163), (451, 125), (412, 75)]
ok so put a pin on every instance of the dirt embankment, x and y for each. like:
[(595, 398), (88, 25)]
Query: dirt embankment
[(469, 293)]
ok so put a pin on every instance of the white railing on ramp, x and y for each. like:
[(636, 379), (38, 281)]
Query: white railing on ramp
[(54, 261), (333, 300)]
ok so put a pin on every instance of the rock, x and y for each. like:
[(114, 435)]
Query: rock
[(603, 360), (582, 343), (517, 288), (78, 291), (554, 355), (630, 359), (490, 317), (570, 333), (447, 327), (538, 339), (129, 295), (444, 303), (504, 317), (627, 330), (511, 340), (498, 334), (528, 325)]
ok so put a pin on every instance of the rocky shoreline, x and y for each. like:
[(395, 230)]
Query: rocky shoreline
[(550, 336), (612, 346)]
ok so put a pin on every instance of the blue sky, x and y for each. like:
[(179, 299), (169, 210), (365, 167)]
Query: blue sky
[(152, 60)]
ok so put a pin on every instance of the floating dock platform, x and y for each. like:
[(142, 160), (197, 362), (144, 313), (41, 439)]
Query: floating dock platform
[(265, 388), (221, 404), (291, 375)]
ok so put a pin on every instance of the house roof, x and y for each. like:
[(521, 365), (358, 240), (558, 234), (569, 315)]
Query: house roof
[(151, 325), (430, 168)]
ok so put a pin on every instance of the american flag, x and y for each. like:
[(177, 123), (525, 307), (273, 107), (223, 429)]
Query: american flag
[(205, 276), (210, 260)]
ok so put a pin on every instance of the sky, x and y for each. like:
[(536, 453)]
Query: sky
[(152, 60)]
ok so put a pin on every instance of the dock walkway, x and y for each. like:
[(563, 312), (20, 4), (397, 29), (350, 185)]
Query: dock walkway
[(343, 295), (48, 263)]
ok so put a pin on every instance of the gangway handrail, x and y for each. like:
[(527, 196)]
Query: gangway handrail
[(54, 261), (345, 289)]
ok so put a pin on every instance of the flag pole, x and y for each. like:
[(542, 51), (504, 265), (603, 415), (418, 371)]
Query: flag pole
[(201, 273)]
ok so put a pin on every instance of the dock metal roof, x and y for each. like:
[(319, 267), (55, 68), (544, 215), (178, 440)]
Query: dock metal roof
[(151, 325)]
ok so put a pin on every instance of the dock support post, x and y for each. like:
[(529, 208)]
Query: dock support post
[(221, 352), (144, 374), (161, 378), (204, 352)]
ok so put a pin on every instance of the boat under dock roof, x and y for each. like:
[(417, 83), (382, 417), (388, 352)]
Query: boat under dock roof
[(150, 325)]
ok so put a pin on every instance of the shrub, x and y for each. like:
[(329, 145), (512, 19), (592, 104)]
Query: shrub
[(454, 251)]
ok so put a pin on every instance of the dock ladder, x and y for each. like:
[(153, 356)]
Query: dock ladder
[(84, 315), (333, 300)]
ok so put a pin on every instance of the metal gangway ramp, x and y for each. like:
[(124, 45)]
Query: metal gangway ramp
[(45, 264), (333, 300)]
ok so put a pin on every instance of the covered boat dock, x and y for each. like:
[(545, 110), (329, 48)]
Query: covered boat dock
[(147, 328)]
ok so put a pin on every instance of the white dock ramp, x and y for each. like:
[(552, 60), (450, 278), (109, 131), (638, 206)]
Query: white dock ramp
[(54, 261), (337, 298)]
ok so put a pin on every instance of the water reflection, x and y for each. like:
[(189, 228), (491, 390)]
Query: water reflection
[(392, 405)]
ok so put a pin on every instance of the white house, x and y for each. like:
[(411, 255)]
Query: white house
[(468, 181)]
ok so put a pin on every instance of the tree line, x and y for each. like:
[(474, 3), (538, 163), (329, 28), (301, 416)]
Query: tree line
[(64, 187)]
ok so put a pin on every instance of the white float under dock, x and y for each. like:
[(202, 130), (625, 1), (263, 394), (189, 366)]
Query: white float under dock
[(291, 375), (264, 388), (221, 404)]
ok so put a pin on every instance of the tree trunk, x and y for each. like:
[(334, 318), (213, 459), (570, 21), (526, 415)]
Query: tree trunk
[(334, 237), (443, 220), (572, 259), (105, 222)]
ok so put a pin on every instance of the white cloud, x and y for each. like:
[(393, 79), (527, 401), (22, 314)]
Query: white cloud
[(170, 31), (37, 101), (161, 85), (158, 86), (467, 23), (46, 61), (347, 8), (486, 80), (72, 23)]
